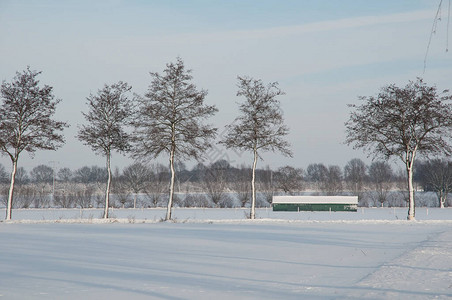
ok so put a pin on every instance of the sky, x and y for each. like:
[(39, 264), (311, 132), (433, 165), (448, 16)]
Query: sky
[(323, 54)]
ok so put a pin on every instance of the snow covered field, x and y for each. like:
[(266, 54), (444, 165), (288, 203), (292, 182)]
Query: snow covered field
[(217, 254), (202, 215)]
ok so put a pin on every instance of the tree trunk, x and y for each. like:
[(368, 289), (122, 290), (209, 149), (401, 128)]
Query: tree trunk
[(411, 205), (11, 191), (253, 188), (442, 199), (107, 189), (171, 195), (173, 175), (135, 201)]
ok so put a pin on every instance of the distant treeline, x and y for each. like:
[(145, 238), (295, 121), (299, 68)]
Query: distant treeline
[(222, 185)]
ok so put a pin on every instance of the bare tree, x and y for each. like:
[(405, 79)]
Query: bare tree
[(3, 181), (170, 120), (22, 176), (436, 175), (317, 174), (25, 195), (4, 194), (26, 122), (260, 127), (157, 184), (355, 172), (196, 201), (241, 184), (216, 180), (402, 123), (380, 174), (289, 179), (65, 175), (334, 180), (119, 189), (82, 194), (108, 116), (93, 174), (83, 175), (122, 194), (42, 174), (266, 183), (3, 175), (136, 177), (180, 169), (65, 198), (327, 180)]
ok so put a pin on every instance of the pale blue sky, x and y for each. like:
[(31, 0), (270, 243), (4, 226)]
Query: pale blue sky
[(324, 54)]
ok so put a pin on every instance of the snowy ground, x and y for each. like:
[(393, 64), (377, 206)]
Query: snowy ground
[(224, 214), (217, 254)]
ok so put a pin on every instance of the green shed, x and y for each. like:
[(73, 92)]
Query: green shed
[(315, 203)]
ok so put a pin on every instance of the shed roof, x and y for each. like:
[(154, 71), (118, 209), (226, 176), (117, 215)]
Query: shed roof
[(315, 199)]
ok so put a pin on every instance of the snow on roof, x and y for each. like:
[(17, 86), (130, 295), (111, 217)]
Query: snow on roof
[(315, 199)]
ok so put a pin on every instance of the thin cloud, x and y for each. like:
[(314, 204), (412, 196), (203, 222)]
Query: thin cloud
[(284, 31)]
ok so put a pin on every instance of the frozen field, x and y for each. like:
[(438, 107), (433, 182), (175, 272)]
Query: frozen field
[(225, 214), (217, 254)]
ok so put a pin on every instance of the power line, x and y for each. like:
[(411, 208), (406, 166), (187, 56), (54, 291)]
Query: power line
[(434, 28)]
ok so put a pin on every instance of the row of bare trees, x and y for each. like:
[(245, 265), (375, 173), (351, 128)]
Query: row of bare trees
[(171, 119)]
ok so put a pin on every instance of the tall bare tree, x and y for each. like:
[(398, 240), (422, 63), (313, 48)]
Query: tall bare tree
[(403, 122), (108, 117), (26, 122), (260, 127), (171, 119)]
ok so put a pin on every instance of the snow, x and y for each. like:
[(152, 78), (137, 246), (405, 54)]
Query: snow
[(154, 215), (217, 253), (316, 199)]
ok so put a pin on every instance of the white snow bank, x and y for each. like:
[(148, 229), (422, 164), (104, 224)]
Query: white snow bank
[(225, 221), (261, 259), (201, 215)]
